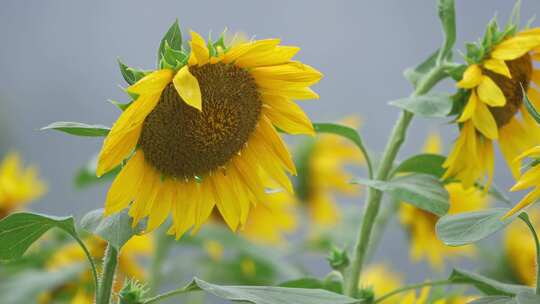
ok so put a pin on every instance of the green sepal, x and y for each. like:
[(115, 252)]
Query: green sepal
[(131, 75), (530, 107), (121, 106), (173, 38), (172, 58)]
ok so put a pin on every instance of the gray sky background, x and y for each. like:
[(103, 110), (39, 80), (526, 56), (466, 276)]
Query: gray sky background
[(58, 62)]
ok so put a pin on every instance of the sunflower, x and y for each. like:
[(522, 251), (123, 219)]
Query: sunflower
[(493, 109), (81, 291), (198, 135), (420, 224), (323, 174), (18, 185), (531, 178)]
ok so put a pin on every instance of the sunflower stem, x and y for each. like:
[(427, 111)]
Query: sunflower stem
[(525, 217), (374, 196), (107, 278)]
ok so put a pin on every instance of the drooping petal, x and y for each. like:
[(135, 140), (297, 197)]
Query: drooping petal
[(267, 131), (199, 52), (528, 179), (226, 201), (161, 206), (470, 108), (515, 47), (125, 185), (188, 88), (490, 93), (514, 140), (153, 83), (471, 77), (484, 122), (287, 115), (530, 198), (497, 66)]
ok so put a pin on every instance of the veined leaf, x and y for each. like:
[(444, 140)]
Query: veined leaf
[(436, 105), (269, 294), (173, 38), (486, 285), (423, 163), (20, 230), (423, 191), (494, 300), (78, 128), (347, 132), (470, 227), (115, 229)]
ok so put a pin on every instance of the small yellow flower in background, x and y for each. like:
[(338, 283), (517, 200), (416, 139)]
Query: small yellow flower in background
[(420, 224), (82, 290), (530, 179), (323, 161), (520, 249), (18, 185), (214, 249), (382, 281), (494, 110), (198, 138), (248, 267)]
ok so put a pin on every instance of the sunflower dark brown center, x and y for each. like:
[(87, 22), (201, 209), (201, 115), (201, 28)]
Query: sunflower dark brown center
[(180, 141), (521, 71)]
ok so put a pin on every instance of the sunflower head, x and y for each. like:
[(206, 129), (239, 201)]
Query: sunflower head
[(489, 104), (201, 130), (18, 185)]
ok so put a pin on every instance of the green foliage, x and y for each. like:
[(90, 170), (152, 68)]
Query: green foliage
[(133, 292), (338, 259), (486, 285), (470, 227), (422, 163), (116, 229), (522, 298), (421, 190), (121, 106), (447, 14), (347, 132), (173, 38), (170, 53), (131, 75), (416, 74), (434, 105), (78, 128), (314, 283), (270, 295), (20, 230)]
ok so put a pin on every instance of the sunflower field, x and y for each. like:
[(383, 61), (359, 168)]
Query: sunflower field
[(277, 163)]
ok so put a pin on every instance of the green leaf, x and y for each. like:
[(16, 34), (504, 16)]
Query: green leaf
[(530, 108), (527, 298), (414, 75), (421, 190), (313, 283), (131, 75), (423, 163), (494, 300), (486, 285), (271, 295), (121, 106), (86, 176), (25, 287), (20, 230), (447, 14), (173, 38), (347, 132), (436, 105), (470, 227), (78, 128), (173, 59), (115, 229)]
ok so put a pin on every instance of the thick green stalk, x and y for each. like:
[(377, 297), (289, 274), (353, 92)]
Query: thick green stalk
[(374, 196), (107, 278), (525, 217)]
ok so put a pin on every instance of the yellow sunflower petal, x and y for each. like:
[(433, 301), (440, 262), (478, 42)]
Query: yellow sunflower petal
[(267, 131), (249, 49), (497, 66), (528, 179), (470, 108), (187, 199), (514, 140), (161, 206), (199, 52), (530, 198), (295, 72), (535, 152), (152, 83), (287, 115), (268, 161), (484, 122), (188, 88), (206, 203), (471, 77), (226, 201), (536, 56), (125, 185), (515, 47), (490, 93), (536, 77)]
